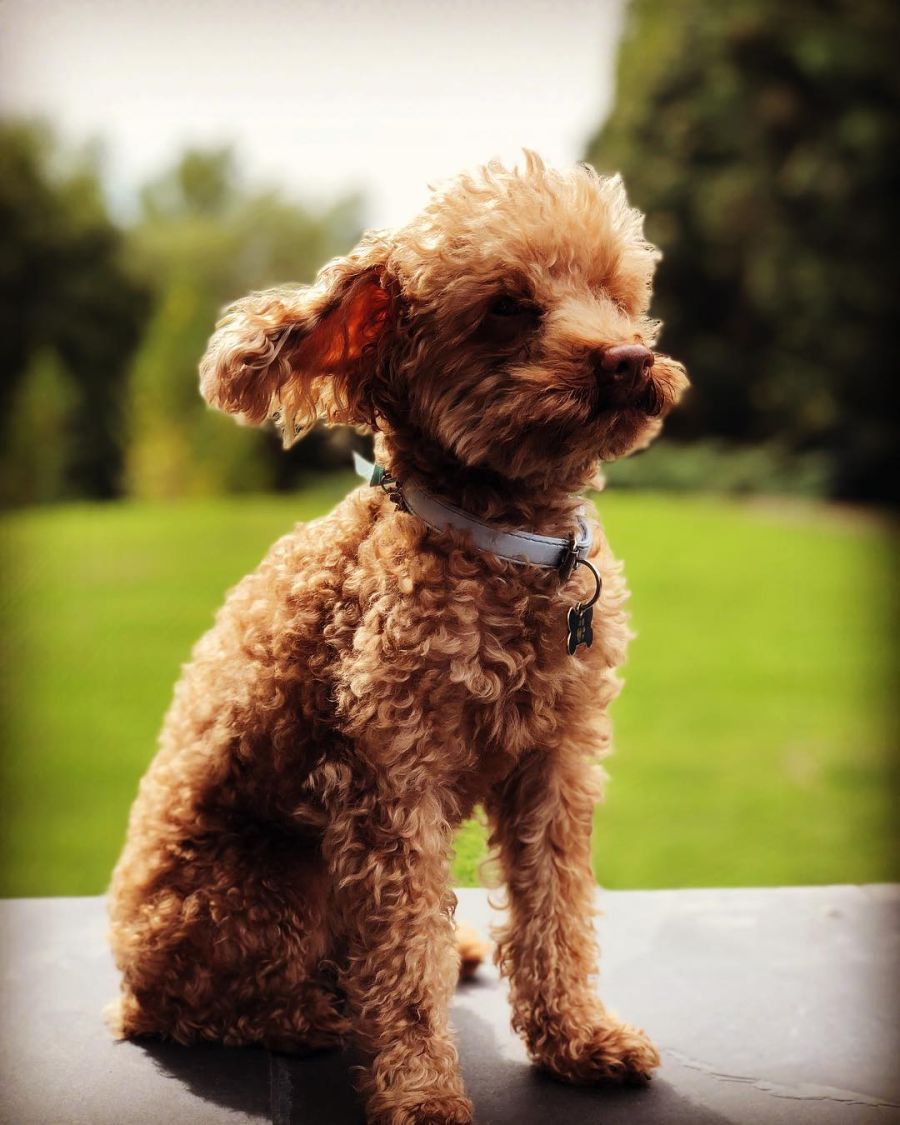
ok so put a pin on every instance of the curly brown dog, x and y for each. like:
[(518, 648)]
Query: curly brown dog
[(286, 875)]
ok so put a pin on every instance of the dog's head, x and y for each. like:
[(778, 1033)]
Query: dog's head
[(506, 325)]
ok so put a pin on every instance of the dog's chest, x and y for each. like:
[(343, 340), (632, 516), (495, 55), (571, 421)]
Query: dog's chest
[(443, 653), (528, 675)]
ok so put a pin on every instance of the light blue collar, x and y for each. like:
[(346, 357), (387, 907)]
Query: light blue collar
[(525, 547)]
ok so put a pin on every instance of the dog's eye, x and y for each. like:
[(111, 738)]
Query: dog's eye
[(508, 306)]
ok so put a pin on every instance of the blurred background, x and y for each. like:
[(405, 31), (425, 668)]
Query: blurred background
[(158, 162)]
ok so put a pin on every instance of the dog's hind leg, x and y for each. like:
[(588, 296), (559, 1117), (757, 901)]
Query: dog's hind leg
[(226, 942)]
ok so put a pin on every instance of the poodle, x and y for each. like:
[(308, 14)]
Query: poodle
[(448, 637)]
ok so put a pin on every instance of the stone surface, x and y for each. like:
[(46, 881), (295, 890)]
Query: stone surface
[(769, 1006)]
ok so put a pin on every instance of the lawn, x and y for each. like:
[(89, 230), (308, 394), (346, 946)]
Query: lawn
[(754, 737)]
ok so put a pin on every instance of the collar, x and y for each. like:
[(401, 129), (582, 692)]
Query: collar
[(546, 551)]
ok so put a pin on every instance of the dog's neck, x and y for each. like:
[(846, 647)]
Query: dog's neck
[(542, 504)]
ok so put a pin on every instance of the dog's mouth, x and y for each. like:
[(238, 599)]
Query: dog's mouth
[(650, 400), (642, 396)]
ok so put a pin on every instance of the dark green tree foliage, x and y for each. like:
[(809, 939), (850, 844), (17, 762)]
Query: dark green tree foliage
[(36, 455), (761, 138), (65, 289), (101, 329)]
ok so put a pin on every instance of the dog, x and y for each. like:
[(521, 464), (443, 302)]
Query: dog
[(448, 637)]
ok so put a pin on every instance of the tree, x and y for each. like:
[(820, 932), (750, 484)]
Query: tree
[(65, 287), (761, 139), (37, 454)]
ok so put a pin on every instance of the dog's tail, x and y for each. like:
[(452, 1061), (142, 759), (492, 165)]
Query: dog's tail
[(472, 950)]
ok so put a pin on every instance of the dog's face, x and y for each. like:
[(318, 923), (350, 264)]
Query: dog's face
[(507, 324), (528, 340)]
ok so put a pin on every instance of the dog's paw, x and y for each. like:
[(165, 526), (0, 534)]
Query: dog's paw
[(438, 1110), (471, 948), (445, 1111), (604, 1052)]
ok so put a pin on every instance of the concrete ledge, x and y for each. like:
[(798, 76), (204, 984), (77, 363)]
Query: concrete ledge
[(769, 1006)]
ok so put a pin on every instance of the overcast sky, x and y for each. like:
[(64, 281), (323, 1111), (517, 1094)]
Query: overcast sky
[(317, 97)]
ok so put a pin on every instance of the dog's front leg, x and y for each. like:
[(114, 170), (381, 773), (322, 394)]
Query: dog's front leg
[(389, 857), (541, 820)]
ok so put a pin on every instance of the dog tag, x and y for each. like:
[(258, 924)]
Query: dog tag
[(580, 616), (580, 630)]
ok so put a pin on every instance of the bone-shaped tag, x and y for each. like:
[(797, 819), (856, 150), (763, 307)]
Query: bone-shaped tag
[(580, 631)]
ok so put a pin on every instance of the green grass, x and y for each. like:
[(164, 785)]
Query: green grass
[(754, 741)]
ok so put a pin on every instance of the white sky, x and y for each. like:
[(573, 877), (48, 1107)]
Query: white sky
[(317, 97)]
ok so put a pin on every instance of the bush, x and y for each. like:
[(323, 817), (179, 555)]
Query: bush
[(710, 466)]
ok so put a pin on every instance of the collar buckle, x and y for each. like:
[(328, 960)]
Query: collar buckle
[(570, 558), (391, 488)]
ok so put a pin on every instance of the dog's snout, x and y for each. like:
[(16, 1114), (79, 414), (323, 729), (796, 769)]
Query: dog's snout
[(625, 362)]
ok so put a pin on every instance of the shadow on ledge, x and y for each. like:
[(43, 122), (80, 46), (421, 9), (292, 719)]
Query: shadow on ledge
[(317, 1089), (314, 1088)]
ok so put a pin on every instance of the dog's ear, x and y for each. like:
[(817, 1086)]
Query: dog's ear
[(297, 354)]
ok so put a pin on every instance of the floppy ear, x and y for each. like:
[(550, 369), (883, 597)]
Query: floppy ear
[(299, 353)]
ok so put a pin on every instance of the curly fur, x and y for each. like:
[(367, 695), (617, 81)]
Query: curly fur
[(285, 879)]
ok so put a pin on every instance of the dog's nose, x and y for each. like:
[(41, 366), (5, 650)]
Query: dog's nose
[(627, 363)]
